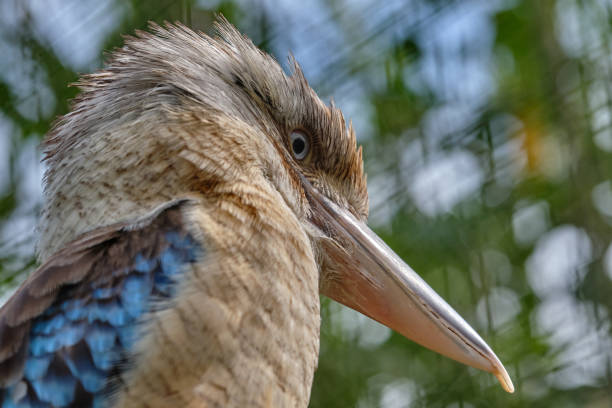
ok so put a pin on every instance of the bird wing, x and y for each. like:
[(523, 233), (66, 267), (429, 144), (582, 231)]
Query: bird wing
[(66, 334)]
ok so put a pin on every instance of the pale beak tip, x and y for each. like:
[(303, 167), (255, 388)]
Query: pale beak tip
[(504, 379)]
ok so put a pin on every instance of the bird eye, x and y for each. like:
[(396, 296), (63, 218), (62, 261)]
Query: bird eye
[(300, 145)]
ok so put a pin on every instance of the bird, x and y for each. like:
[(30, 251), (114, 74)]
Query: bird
[(198, 201)]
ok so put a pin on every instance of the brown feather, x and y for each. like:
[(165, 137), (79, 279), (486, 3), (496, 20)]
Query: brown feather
[(11, 365)]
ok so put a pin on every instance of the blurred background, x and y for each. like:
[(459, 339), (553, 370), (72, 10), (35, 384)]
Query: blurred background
[(487, 134)]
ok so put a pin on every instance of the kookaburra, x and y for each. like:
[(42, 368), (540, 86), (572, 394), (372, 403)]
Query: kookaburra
[(198, 200)]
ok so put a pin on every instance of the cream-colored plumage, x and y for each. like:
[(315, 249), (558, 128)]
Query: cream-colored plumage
[(188, 138), (226, 337), (178, 112), (189, 131)]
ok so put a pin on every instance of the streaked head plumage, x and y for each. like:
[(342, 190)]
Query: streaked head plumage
[(173, 81)]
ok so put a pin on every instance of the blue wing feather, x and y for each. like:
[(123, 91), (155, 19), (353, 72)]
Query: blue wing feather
[(84, 337)]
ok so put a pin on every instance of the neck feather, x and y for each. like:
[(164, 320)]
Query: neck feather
[(245, 328)]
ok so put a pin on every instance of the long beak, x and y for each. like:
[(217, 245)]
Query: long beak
[(366, 275)]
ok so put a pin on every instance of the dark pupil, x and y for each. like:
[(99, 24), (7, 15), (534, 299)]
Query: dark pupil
[(298, 146)]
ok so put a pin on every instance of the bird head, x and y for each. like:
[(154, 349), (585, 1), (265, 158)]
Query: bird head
[(177, 112)]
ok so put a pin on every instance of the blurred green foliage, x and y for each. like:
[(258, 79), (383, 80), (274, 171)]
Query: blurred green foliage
[(489, 166)]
